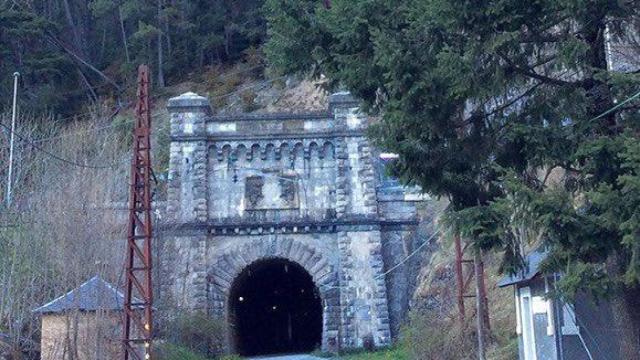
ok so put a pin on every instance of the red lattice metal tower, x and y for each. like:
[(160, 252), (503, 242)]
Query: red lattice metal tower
[(467, 270), (138, 303)]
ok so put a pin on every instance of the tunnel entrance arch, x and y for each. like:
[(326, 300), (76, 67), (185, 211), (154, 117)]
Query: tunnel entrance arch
[(275, 308)]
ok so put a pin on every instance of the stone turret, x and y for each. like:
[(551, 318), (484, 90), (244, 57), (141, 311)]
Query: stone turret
[(187, 193)]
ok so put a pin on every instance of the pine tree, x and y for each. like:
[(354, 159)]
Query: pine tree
[(73, 50), (503, 107)]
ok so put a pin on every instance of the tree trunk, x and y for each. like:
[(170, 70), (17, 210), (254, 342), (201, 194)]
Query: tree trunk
[(227, 41), (482, 313), (93, 97), (123, 33), (167, 34), (77, 41), (625, 306), (103, 45), (160, 59)]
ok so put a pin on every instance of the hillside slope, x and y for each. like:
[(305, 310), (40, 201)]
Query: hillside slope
[(66, 203)]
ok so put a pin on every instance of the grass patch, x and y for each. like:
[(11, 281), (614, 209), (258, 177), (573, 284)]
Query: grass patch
[(175, 352), (395, 353)]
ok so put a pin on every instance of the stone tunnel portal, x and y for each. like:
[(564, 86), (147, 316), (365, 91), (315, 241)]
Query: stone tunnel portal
[(275, 308)]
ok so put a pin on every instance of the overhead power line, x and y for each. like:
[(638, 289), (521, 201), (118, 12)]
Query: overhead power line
[(87, 114), (54, 156), (400, 263), (629, 99)]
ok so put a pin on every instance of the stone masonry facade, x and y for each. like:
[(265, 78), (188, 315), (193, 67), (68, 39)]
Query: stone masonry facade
[(305, 187)]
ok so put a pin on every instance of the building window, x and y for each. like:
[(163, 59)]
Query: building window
[(528, 334)]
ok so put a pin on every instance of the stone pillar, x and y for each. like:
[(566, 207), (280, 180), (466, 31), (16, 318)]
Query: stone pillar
[(363, 293), (356, 194), (187, 192), (182, 263)]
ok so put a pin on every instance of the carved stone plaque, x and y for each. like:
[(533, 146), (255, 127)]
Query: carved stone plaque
[(273, 190), (253, 190)]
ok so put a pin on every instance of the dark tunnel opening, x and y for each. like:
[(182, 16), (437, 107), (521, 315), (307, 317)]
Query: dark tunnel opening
[(275, 309)]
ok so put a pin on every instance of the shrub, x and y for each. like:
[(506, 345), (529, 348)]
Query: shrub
[(222, 85), (394, 353), (248, 98), (196, 332), (167, 351), (123, 125), (430, 335), (231, 357)]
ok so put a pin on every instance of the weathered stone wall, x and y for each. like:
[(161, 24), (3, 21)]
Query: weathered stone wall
[(302, 187)]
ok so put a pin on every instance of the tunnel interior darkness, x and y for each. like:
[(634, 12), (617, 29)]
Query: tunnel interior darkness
[(275, 309)]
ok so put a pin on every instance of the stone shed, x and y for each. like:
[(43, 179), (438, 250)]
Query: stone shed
[(83, 324)]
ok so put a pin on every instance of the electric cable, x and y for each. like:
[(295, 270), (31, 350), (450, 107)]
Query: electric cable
[(614, 108), (54, 156), (437, 231), (87, 114)]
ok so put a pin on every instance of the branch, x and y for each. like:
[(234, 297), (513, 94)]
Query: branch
[(55, 41), (52, 38), (508, 104), (532, 74)]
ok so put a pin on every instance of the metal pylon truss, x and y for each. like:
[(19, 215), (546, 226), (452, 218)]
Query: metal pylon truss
[(138, 303), (467, 269)]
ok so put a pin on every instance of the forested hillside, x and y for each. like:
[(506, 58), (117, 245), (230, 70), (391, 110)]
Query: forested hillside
[(76, 52), (521, 116)]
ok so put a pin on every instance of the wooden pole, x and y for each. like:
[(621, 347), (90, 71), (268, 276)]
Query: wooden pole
[(482, 313)]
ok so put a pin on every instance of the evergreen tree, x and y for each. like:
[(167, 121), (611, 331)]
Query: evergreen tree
[(71, 51), (506, 108)]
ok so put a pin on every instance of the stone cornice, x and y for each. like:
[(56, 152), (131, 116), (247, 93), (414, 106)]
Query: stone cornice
[(320, 115), (241, 137), (249, 227)]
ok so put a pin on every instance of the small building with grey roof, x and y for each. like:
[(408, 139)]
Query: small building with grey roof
[(83, 324), (550, 328)]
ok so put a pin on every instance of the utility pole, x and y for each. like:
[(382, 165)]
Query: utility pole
[(138, 302), (466, 270), (16, 75), (482, 308)]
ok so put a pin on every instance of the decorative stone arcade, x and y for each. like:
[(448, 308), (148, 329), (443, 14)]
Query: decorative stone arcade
[(283, 191)]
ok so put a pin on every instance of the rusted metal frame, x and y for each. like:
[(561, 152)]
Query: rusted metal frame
[(139, 329), (459, 279), (464, 277), (467, 282)]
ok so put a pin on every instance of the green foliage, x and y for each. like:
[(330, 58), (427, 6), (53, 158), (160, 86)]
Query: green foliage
[(165, 351), (396, 353), (197, 333), (113, 38), (231, 357), (483, 101), (123, 125), (24, 48), (422, 337), (248, 98)]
